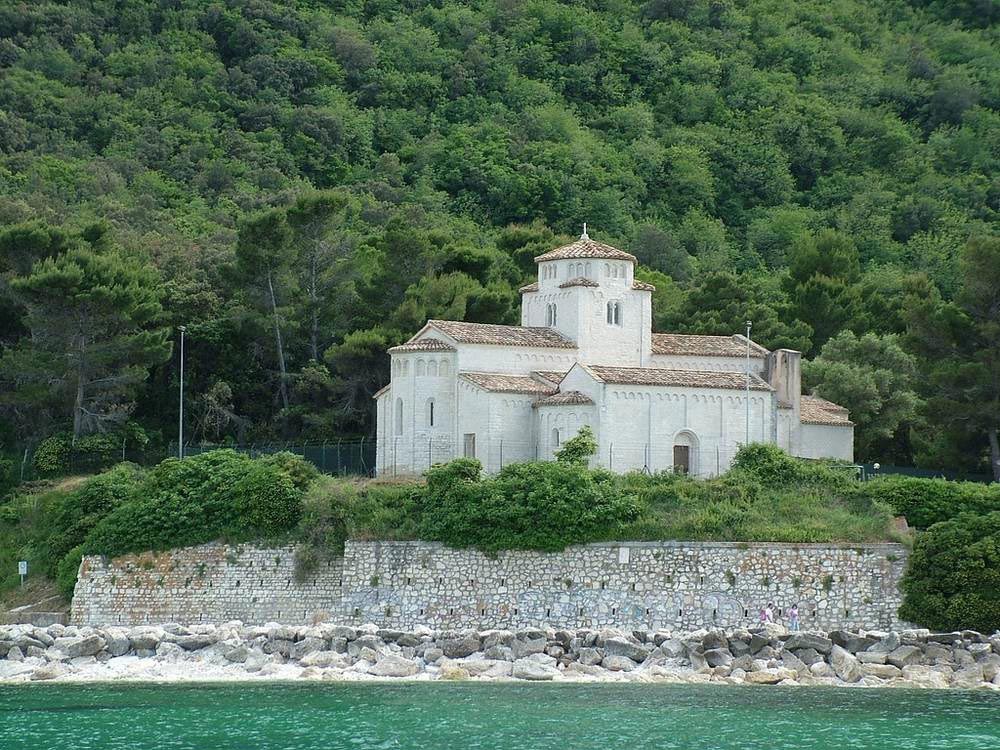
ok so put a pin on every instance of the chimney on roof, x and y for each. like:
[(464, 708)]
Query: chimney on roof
[(584, 236), (784, 373)]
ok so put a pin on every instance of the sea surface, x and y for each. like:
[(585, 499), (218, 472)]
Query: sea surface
[(295, 716)]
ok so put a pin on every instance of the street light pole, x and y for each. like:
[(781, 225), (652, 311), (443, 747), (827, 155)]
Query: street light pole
[(180, 418), (749, 325)]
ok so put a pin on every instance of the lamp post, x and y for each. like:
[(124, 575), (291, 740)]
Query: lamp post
[(749, 326), (180, 417)]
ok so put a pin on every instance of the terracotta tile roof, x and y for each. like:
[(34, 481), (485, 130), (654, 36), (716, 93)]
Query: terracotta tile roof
[(679, 378), (424, 345), (816, 410), (500, 383), (705, 346), (569, 398), (550, 375), (532, 287), (642, 286), (486, 333), (585, 248), (578, 281)]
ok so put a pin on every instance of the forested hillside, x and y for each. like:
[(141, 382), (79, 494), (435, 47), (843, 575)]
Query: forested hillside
[(301, 184)]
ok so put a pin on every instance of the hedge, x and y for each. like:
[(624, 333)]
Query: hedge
[(952, 581)]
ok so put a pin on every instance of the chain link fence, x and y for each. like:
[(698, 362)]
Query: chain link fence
[(344, 457)]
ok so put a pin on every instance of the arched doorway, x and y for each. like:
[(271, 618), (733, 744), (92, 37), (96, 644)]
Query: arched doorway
[(685, 457)]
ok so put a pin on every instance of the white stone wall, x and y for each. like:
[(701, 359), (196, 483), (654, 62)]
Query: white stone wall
[(647, 585), (414, 444), (826, 441)]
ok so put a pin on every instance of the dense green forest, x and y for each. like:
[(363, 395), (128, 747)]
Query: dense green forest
[(302, 183)]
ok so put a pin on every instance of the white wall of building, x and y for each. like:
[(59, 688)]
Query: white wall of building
[(826, 441)]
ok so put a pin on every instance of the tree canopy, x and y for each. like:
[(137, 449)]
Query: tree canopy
[(308, 181)]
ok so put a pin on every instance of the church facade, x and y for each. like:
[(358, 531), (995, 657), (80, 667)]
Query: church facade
[(585, 354)]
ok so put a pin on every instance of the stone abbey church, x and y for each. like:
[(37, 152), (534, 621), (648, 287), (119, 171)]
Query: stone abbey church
[(585, 354)]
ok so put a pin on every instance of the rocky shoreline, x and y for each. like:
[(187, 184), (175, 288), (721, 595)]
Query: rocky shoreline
[(759, 656)]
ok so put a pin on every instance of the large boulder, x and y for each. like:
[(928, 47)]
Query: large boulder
[(145, 641), (117, 642), (459, 645), (616, 663), (887, 644), (852, 642), (590, 656), (927, 677), (672, 648), (391, 665), (528, 669), (74, 647), (819, 643), (326, 659), (718, 657), (194, 642), (845, 664), (905, 656), (769, 676), (526, 647), (882, 671), (49, 671), (968, 677), (623, 647)]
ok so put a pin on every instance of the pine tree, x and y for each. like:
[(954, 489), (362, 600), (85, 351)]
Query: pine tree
[(93, 317)]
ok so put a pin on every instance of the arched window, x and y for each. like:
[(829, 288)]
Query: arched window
[(550, 314), (555, 438), (430, 412), (432, 368), (399, 416), (421, 367), (607, 270), (586, 270), (445, 368), (614, 313)]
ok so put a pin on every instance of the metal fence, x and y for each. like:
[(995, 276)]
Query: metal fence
[(353, 457), (348, 456), (868, 471)]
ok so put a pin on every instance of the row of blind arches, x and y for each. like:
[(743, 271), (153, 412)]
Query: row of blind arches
[(433, 368)]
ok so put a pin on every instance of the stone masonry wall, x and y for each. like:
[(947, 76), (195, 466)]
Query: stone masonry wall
[(210, 583), (679, 585)]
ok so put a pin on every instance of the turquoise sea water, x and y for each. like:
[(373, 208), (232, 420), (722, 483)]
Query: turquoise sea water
[(286, 716)]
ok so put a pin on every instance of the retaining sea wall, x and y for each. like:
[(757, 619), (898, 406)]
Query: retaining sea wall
[(632, 585)]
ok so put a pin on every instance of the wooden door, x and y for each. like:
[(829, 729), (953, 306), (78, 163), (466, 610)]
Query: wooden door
[(682, 459)]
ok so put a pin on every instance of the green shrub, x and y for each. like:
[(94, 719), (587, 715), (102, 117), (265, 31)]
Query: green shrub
[(8, 475), (952, 581), (925, 502), (302, 473), (766, 463), (67, 520), (267, 503), (66, 571), (202, 498), (542, 506), (51, 458), (96, 450), (579, 448)]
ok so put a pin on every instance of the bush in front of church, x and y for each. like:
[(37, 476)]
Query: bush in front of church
[(539, 506)]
